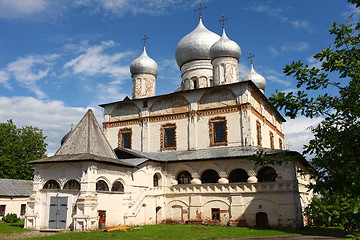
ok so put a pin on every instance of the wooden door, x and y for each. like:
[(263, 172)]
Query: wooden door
[(262, 220), (102, 219)]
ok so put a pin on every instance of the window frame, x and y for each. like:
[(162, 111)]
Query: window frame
[(215, 214), (164, 128), (212, 134), (271, 136), (258, 134), (121, 138), (2, 210), (22, 209)]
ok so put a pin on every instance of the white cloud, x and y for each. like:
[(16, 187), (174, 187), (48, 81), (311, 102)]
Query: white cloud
[(313, 62), (30, 69), (278, 14), (4, 78), (275, 76), (273, 51), (21, 8), (295, 46), (51, 116), (297, 132), (94, 61)]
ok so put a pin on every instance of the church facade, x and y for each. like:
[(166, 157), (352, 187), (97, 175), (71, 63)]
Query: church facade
[(182, 157)]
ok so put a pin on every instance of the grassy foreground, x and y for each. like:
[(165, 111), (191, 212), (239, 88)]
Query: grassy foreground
[(10, 228), (195, 232)]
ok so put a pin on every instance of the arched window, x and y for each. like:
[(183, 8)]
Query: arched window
[(72, 184), (184, 178), (209, 176), (117, 187), (51, 184), (156, 179), (258, 134), (238, 175), (101, 185), (266, 174)]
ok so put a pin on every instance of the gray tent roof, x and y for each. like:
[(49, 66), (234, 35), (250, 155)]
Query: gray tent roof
[(87, 137), (15, 188)]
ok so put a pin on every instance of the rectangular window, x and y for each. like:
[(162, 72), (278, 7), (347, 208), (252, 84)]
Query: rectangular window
[(258, 133), (271, 135), (125, 138), (215, 214), (280, 144), (168, 135), (23, 209), (2, 210), (218, 133)]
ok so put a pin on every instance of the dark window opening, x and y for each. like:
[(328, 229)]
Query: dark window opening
[(125, 138), (196, 84), (218, 134), (117, 187), (145, 104), (2, 210), (238, 175), (156, 179), (271, 135), (101, 185), (215, 214), (280, 144), (209, 176), (22, 209), (169, 136), (184, 178), (258, 133), (51, 184), (72, 184), (266, 174)]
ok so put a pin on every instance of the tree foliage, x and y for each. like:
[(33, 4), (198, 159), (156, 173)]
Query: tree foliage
[(331, 91), (18, 146)]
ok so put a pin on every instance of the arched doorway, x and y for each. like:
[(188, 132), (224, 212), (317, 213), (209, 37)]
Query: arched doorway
[(262, 220)]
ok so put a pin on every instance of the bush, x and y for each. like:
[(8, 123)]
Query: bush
[(11, 218)]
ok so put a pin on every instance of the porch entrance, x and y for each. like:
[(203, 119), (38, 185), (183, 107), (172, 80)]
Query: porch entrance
[(58, 212)]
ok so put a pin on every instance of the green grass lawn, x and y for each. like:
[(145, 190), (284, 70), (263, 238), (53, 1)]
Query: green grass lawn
[(9, 228), (171, 232), (195, 232)]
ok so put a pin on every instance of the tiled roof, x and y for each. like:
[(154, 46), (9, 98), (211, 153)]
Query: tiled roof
[(15, 188)]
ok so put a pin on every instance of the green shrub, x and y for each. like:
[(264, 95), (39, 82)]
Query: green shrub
[(11, 218)]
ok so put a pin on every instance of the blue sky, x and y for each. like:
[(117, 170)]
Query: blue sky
[(59, 58)]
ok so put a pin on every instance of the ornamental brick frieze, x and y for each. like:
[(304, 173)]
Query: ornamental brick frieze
[(169, 117)]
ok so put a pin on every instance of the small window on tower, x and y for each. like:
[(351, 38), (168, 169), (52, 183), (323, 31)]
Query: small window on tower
[(168, 136), (125, 138), (145, 104), (218, 131)]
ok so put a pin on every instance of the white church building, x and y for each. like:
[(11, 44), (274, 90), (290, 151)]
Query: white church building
[(182, 157)]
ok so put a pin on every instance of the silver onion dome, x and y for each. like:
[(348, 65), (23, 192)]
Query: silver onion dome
[(195, 45), (225, 48), (256, 78), (144, 64)]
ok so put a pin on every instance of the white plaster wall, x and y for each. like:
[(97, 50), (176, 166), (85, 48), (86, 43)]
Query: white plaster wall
[(13, 204)]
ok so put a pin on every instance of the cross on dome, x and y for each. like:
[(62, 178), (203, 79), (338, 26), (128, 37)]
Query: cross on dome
[(144, 39), (251, 56), (222, 20), (200, 9)]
